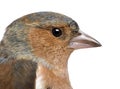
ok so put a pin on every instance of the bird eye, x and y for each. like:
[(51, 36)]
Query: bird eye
[(56, 32)]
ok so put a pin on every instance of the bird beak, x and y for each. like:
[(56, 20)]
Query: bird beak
[(83, 41)]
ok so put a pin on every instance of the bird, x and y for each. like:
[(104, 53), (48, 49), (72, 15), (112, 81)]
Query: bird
[(35, 49)]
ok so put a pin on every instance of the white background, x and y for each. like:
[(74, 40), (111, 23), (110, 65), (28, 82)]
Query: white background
[(94, 68)]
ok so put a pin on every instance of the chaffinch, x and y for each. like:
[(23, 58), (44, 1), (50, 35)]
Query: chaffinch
[(35, 49)]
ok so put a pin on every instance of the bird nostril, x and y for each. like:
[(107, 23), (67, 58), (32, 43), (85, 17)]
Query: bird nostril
[(76, 32), (79, 33)]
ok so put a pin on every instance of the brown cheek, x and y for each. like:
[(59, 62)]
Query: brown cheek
[(42, 42), (37, 39)]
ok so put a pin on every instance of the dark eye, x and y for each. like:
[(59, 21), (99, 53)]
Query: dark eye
[(56, 32)]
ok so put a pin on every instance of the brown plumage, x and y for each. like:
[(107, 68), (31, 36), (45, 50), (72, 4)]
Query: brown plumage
[(35, 49)]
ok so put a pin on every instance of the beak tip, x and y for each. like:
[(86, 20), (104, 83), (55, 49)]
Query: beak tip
[(98, 44)]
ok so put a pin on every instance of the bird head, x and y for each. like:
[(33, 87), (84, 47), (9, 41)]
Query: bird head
[(46, 37)]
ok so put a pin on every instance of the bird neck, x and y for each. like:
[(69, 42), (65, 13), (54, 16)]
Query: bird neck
[(51, 77), (55, 62)]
